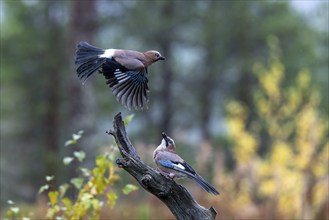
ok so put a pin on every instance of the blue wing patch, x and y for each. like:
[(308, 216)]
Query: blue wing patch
[(167, 163), (138, 77)]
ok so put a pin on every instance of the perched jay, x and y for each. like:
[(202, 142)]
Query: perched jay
[(172, 165), (125, 71)]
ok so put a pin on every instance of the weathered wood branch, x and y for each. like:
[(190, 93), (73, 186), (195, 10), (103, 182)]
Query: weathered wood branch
[(176, 197)]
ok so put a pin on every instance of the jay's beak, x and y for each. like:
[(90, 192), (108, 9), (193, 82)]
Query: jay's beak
[(161, 58), (165, 137)]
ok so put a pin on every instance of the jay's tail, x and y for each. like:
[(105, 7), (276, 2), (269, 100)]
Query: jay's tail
[(190, 172), (88, 57), (204, 184)]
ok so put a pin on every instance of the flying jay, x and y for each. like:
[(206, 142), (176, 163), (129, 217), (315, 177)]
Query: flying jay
[(125, 71), (170, 164)]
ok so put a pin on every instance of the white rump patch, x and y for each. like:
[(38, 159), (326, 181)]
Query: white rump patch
[(107, 54)]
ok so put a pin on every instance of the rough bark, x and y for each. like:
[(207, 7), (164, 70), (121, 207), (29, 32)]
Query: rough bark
[(174, 196)]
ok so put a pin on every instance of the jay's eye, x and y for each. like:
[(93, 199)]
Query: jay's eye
[(157, 55)]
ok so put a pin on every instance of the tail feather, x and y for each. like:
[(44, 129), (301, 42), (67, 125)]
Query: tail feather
[(190, 172), (204, 184), (87, 56), (89, 67)]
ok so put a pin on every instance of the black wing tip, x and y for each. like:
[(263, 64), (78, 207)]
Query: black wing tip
[(130, 99), (189, 168)]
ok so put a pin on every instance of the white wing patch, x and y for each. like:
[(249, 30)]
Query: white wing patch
[(120, 76), (180, 166), (107, 54)]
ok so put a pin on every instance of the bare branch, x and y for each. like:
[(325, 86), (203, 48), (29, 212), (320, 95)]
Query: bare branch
[(176, 197)]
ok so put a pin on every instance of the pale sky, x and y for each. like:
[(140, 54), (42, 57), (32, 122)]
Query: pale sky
[(307, 6)]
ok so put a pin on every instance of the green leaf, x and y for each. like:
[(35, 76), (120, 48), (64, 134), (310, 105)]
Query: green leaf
[(43, 188), (111, 156), (67, 202), (112, 198), (14, 209), (63, 188), (53, 197), (52, 211), (77, 182), (96, 204), (67, 160), (49, 178), (70, 142), (129, 188), (76, 137), (80, 155), (10, 202), (128, 119), (86, 197), (85, 171)]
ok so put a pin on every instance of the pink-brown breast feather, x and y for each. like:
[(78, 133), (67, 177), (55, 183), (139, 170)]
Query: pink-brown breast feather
[(166, 155)]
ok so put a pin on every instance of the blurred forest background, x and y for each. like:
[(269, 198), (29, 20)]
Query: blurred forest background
[(243, 92)]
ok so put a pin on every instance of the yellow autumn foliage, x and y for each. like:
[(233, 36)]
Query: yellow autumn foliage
[(291, 179)]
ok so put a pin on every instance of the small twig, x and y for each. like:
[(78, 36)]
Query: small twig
[(110, 132), (176, 197)]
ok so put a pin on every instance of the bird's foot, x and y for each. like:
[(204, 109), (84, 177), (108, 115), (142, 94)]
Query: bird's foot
[(166, 174)]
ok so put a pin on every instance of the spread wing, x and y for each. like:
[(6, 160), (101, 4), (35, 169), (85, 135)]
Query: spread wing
[(129, 86)]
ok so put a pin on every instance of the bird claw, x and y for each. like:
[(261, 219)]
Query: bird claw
[(165, 174)]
